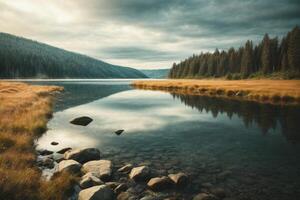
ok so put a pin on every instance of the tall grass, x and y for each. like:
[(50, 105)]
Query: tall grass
[(24, 112), (266, 91)]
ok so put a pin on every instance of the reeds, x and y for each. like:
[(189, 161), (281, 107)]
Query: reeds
[(24, 112)]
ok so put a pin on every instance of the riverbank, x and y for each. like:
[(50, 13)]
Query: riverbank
[(265, 91), (24, 113)]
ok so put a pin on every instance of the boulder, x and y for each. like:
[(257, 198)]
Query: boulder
[(62, 151), (99, 168), (119, 132), (204, 196), (89, 180), (83, 155), (126, 168), (139, 173), (121, 188), (179, 179), (160, 183), (96, 193), (71, 166), (81, 121)]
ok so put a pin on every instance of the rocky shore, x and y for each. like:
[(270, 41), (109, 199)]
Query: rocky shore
[(100, 179)]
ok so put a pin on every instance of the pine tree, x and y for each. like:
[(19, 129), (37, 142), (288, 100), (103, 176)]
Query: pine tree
[(266, 55), (247, 59), (293, 51)]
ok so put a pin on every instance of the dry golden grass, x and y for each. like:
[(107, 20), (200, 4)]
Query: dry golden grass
[(267, 91), (24, 112)]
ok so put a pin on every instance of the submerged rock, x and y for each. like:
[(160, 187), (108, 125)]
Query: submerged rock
[(180, 179), (99, 168), (139, 173), (81, 121), (54, 143), (119, 132), (71, 166), (62, 151), (160, 183), (44, 152), (83, 155), (102, 192), (204, 196), (89, 180), (219, 192), (126, 168), (45, 162)]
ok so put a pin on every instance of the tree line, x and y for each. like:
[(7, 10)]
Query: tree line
[(270, 56)]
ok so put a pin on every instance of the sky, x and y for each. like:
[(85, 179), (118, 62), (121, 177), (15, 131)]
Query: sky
[(147, 34)]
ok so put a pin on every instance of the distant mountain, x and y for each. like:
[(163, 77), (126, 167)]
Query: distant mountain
[(24, 58), (156, 73)]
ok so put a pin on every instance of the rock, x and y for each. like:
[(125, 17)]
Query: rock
[(126, 168), (112, 185), (81, 121), (204, 196), (45, 162), (120, 188), (54, 143), (62, 151), (99, 168), (89, 180), (58, 157), (119, 132), (139, 173), (219, 192), (179, 179), (96, 193), (71, 166), (124, 196), (148, 197), (159, 183), (127, 196), (83, 155), (44, 152)]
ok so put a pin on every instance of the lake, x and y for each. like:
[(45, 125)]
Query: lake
[(249, 149)]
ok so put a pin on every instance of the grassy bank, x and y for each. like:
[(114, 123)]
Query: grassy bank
[(266, 91), (24, 113)]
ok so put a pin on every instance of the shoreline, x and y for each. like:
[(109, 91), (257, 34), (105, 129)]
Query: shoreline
[(278, 92), (24, 112)]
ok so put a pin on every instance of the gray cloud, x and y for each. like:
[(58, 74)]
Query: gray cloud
[(147, 33)]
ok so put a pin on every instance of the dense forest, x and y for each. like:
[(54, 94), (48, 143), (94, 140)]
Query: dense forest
[(269, 57), (23, 58)]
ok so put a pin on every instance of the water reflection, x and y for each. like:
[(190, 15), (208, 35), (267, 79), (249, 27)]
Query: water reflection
[(266, 116), (205, 137)]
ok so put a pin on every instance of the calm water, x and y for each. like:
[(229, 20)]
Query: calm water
[(250, 150)]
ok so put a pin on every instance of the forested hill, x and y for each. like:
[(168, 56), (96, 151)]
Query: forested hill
[(24, 58), (270, 57)]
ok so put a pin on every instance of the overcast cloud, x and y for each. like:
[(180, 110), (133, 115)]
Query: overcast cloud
[(147, 33)]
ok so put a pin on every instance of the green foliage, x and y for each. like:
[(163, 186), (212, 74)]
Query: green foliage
[(23, 58), (266, 59)]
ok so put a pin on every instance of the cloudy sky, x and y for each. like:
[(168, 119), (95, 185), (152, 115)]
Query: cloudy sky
[(147, 33)]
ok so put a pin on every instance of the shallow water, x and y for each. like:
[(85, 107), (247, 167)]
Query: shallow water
[(249, 149)]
